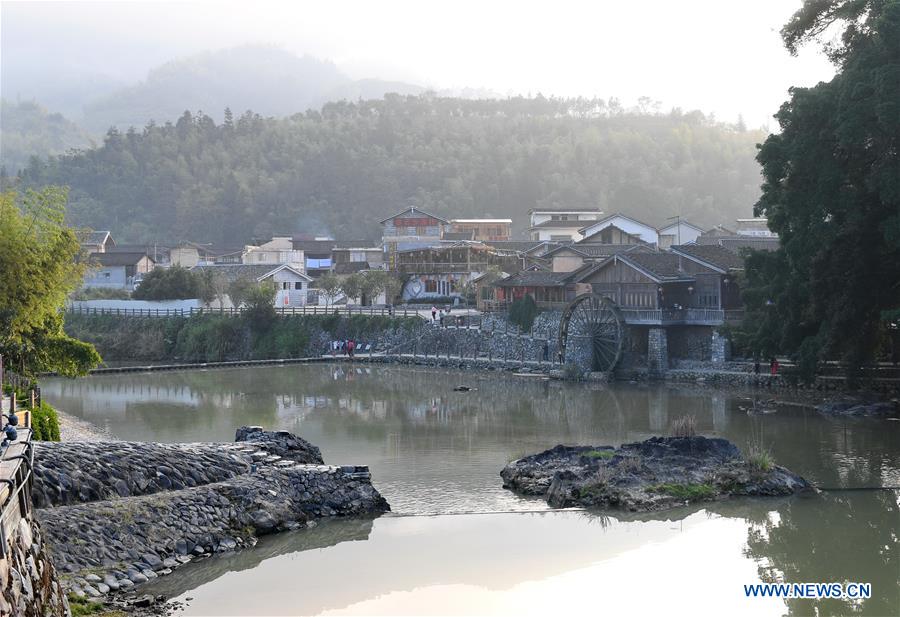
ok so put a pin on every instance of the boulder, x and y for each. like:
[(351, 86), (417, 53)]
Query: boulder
[(280, 443)]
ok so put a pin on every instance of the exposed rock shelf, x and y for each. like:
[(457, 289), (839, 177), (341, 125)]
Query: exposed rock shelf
[(262, 486), (659, 473), (81, 472)]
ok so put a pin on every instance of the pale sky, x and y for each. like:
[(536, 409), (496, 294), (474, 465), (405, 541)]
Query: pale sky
[(719, 56)]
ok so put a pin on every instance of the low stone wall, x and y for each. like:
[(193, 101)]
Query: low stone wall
[(115, 544), (29, 585), (81, 472)]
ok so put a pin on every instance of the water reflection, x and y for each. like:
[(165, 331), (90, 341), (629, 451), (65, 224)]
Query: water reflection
[(435, 450), (557, 562)]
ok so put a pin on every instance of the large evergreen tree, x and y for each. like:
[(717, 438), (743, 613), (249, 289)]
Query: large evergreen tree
[(832, 192)]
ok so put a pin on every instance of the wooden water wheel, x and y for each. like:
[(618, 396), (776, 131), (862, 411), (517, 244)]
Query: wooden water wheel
[(596, 318)]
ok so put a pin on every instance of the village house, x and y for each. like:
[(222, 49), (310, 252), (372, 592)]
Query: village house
[(481, 230), (117, 270), (190, 254), (678, 232), (95, 241), (411, 228), (560, 224), (753, 237), (625, 224), (291, 283), (447, 271), (278, 250), (360, 254)]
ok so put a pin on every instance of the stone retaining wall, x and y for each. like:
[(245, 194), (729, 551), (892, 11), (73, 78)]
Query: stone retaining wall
[(115, 544), (29, 582)]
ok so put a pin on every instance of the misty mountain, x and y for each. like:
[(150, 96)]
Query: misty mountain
[(27, 129), (346, 166), (268, 80)]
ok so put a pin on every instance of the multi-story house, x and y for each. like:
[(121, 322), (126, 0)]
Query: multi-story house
[(560, 224), (483, 230), (411, 229)]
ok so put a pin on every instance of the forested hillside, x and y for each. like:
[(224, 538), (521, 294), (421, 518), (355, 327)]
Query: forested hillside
[(345, 167), (27, 129)]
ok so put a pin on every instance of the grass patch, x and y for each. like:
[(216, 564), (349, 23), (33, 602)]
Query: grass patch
[(601, 454), (83, 606), (690, 492), (760, 459)]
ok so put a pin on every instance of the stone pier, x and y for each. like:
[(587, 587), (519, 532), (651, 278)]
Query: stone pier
[(657, 352)]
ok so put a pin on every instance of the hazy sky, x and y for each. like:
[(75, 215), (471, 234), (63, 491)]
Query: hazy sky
[(720, 56)]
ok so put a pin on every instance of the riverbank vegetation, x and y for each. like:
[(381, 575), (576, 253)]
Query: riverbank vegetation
[(39, 269), (218, 338)]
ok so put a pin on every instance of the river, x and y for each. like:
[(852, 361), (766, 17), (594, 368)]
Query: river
[(458, 543)]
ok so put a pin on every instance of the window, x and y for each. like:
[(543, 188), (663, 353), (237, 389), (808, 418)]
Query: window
[(298, 285), (285, 285), (430, 286), (260, 257), (357, 256), (106, 275)]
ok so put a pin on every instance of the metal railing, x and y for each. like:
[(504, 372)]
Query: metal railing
[(16, 463)]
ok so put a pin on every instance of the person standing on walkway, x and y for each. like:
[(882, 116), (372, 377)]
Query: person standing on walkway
[(351, 345), (433, 313)]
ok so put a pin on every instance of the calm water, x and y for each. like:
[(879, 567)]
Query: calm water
[(457, 543)]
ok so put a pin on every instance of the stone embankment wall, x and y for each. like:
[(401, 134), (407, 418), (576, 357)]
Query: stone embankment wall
[(29, 585), (106, 542)]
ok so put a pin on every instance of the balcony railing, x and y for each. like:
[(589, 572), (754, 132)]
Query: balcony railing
[(663, 317)]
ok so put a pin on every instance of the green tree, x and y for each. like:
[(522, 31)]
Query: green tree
[(523, 312), (38, 262), (352, 286), (259, 306), (331, 286), (175, 283), (832, 192)]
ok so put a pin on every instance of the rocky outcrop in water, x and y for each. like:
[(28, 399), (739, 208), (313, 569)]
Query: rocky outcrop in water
[(280, 443), (659, 473), (860, 407)]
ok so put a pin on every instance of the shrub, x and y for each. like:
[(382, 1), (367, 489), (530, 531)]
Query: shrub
[(572, 371), (175, 283), (685, 426), (45, 423)]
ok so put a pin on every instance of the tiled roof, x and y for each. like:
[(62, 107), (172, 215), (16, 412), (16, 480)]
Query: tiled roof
[(458, 235), (530, 278), (591, 210), (414, 210), (233, 272), (713, 255), (661, 266), (117, 259), (94, 237), (736, 243)]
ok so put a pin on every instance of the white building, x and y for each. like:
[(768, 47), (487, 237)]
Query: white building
[(278, 250), (291, 283), (643, 231), (560, 224), (758, 227), (678, 232)]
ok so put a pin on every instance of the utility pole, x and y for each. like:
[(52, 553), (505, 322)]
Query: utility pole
[(677, 219)]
